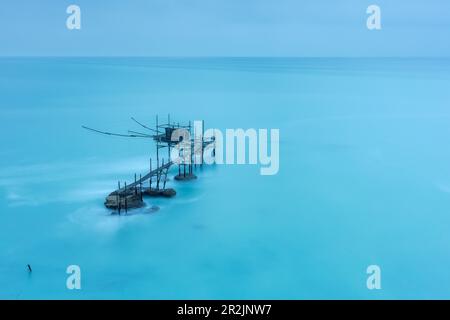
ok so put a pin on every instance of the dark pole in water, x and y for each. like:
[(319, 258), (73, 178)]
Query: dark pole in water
[(157, 154), (157, 142), (160, 172), (126, 204), (157, 174), (190, 148), (170, 141), (140, 185), (118, 197), (117, 194), (201, 150), (150, 173), (165, 179), (29, 268), (190, 153), (135, 187), (192, 157)]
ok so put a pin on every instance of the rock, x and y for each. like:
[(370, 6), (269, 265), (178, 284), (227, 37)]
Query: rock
[(130, 200), (169, 192), (181, 177)]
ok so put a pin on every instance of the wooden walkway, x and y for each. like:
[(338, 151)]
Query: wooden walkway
[(151, 174)]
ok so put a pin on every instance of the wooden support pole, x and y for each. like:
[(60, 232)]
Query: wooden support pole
[(157, 154), (126, 204), (157, 174), (168, 149), (192, 157), (165, 179), (201, 150), (157, 141), (161, 171), (118, 196), (170, 141), (140, 185), (162, 166)]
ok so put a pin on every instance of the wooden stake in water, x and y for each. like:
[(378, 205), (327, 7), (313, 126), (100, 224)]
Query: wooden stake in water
[(160, 173), (203, 132), (157, 173), (170, 141), (140, 185), (150, 175), (118, 197), (126, 201), (165, 179)]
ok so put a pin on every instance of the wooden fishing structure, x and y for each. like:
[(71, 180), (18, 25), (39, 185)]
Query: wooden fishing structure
[(153, 183)]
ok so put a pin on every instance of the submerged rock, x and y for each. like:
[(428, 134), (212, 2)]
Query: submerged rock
[(128, 200), (152, 209), (182, 177), (169, 192)]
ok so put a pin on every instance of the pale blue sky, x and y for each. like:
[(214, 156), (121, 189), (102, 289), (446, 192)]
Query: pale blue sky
[(225, 28)]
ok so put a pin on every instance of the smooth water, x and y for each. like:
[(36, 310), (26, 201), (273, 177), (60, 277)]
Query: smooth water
[(364, 179)]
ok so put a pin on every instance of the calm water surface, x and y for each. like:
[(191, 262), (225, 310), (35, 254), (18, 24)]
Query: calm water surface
[(364, 179)]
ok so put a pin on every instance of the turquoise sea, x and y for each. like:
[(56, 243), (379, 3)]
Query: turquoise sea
[(364, 179)]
